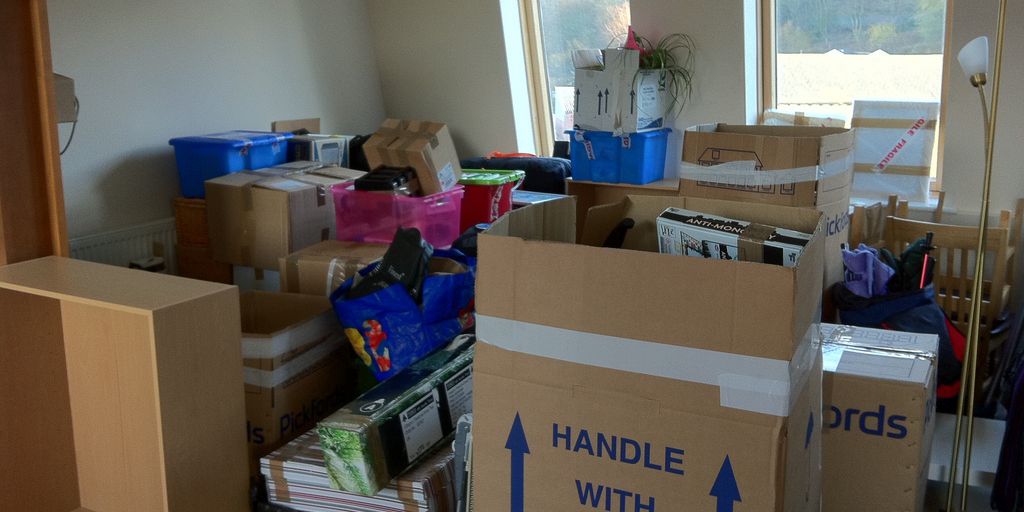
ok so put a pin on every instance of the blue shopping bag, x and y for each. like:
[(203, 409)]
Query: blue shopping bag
[(389, 331)]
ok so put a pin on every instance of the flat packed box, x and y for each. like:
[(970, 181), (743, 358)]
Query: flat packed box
[(802, 166), (617, 96), (895, 145), (321, 268), (626, 379), (425, 146), (688, 233), (324, 149), (297, 479), (386, 430), (257, 217), (879, 395), (298, 367)]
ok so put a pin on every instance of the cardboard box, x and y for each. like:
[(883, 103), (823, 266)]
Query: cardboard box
[(324, 149), (425, 146), (257, 217), (320, 269), (620, 97), (298, 368), (780, 149), (879, 395), (386, 430), (775, 117), (688, 233), (771, 148), (632, 380)]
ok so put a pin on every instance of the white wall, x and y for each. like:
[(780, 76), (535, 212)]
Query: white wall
[(446, 61), (964, 147), (720, 68), (147, 70)]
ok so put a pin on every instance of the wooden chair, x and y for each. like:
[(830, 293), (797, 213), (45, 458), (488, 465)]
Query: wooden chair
[(954, 270), (867, 223)]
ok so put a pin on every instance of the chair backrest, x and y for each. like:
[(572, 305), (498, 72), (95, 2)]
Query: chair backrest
[(954, 270)]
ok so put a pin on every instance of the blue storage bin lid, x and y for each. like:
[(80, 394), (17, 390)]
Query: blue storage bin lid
[(235, 138), (589, 133)]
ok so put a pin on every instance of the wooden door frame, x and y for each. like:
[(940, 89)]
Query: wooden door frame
[(32, 217)]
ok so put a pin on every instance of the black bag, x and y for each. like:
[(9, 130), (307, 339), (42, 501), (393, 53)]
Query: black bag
[(542, 174)]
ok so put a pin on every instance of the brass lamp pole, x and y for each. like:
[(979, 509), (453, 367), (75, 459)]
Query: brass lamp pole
[(973, 59)]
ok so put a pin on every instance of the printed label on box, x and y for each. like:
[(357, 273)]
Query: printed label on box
[(459, 390), (446, 177), (421, 425)]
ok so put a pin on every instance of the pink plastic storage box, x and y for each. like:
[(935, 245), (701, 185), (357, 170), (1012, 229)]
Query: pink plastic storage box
[(374, 216)]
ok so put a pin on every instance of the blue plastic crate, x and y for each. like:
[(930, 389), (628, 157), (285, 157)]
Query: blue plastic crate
[(635, 158), (205, 157)]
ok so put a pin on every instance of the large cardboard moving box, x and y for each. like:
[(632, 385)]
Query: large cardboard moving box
[(298, 367), (320, 269), (879, 396), (256, 217), (425, 146), (616, 379), (803, 166)]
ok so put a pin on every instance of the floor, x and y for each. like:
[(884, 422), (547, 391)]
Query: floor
[(988, 437)]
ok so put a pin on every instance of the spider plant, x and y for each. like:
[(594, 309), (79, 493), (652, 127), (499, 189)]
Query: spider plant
[(673, 53)]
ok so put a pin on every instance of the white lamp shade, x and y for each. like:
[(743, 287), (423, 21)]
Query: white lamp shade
[(973, 57)]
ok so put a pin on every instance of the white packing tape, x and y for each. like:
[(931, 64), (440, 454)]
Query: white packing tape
[(745, 174), (749, 383), (316, 328), (289, 370)]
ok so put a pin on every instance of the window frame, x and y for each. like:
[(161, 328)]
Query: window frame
[(768, 87), (537, 78)]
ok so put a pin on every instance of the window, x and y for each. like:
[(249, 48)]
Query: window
[(558, 27), (823, 54), (828, 52)]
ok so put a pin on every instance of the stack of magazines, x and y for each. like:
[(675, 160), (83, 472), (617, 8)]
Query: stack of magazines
[(297, 479)]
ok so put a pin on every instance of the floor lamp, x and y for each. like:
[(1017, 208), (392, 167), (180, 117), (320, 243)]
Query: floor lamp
[(973, 59)]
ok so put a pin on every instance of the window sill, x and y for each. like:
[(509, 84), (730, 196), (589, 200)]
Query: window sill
[(914, 206)]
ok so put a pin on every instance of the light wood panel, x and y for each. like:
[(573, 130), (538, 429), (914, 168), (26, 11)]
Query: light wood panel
[(36, 443), (144, 369)]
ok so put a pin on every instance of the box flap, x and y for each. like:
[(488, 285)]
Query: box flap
[(340, 173), (266, 314)]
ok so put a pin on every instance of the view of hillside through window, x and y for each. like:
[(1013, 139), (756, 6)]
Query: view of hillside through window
[(568, 25), (830, 52)]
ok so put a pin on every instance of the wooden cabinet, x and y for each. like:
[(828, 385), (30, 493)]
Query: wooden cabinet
[(122, 391)]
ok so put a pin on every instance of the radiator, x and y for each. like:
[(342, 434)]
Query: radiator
[(122, 246)]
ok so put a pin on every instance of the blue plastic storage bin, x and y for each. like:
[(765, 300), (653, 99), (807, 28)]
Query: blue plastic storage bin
[(635, 158), (205, 157)]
